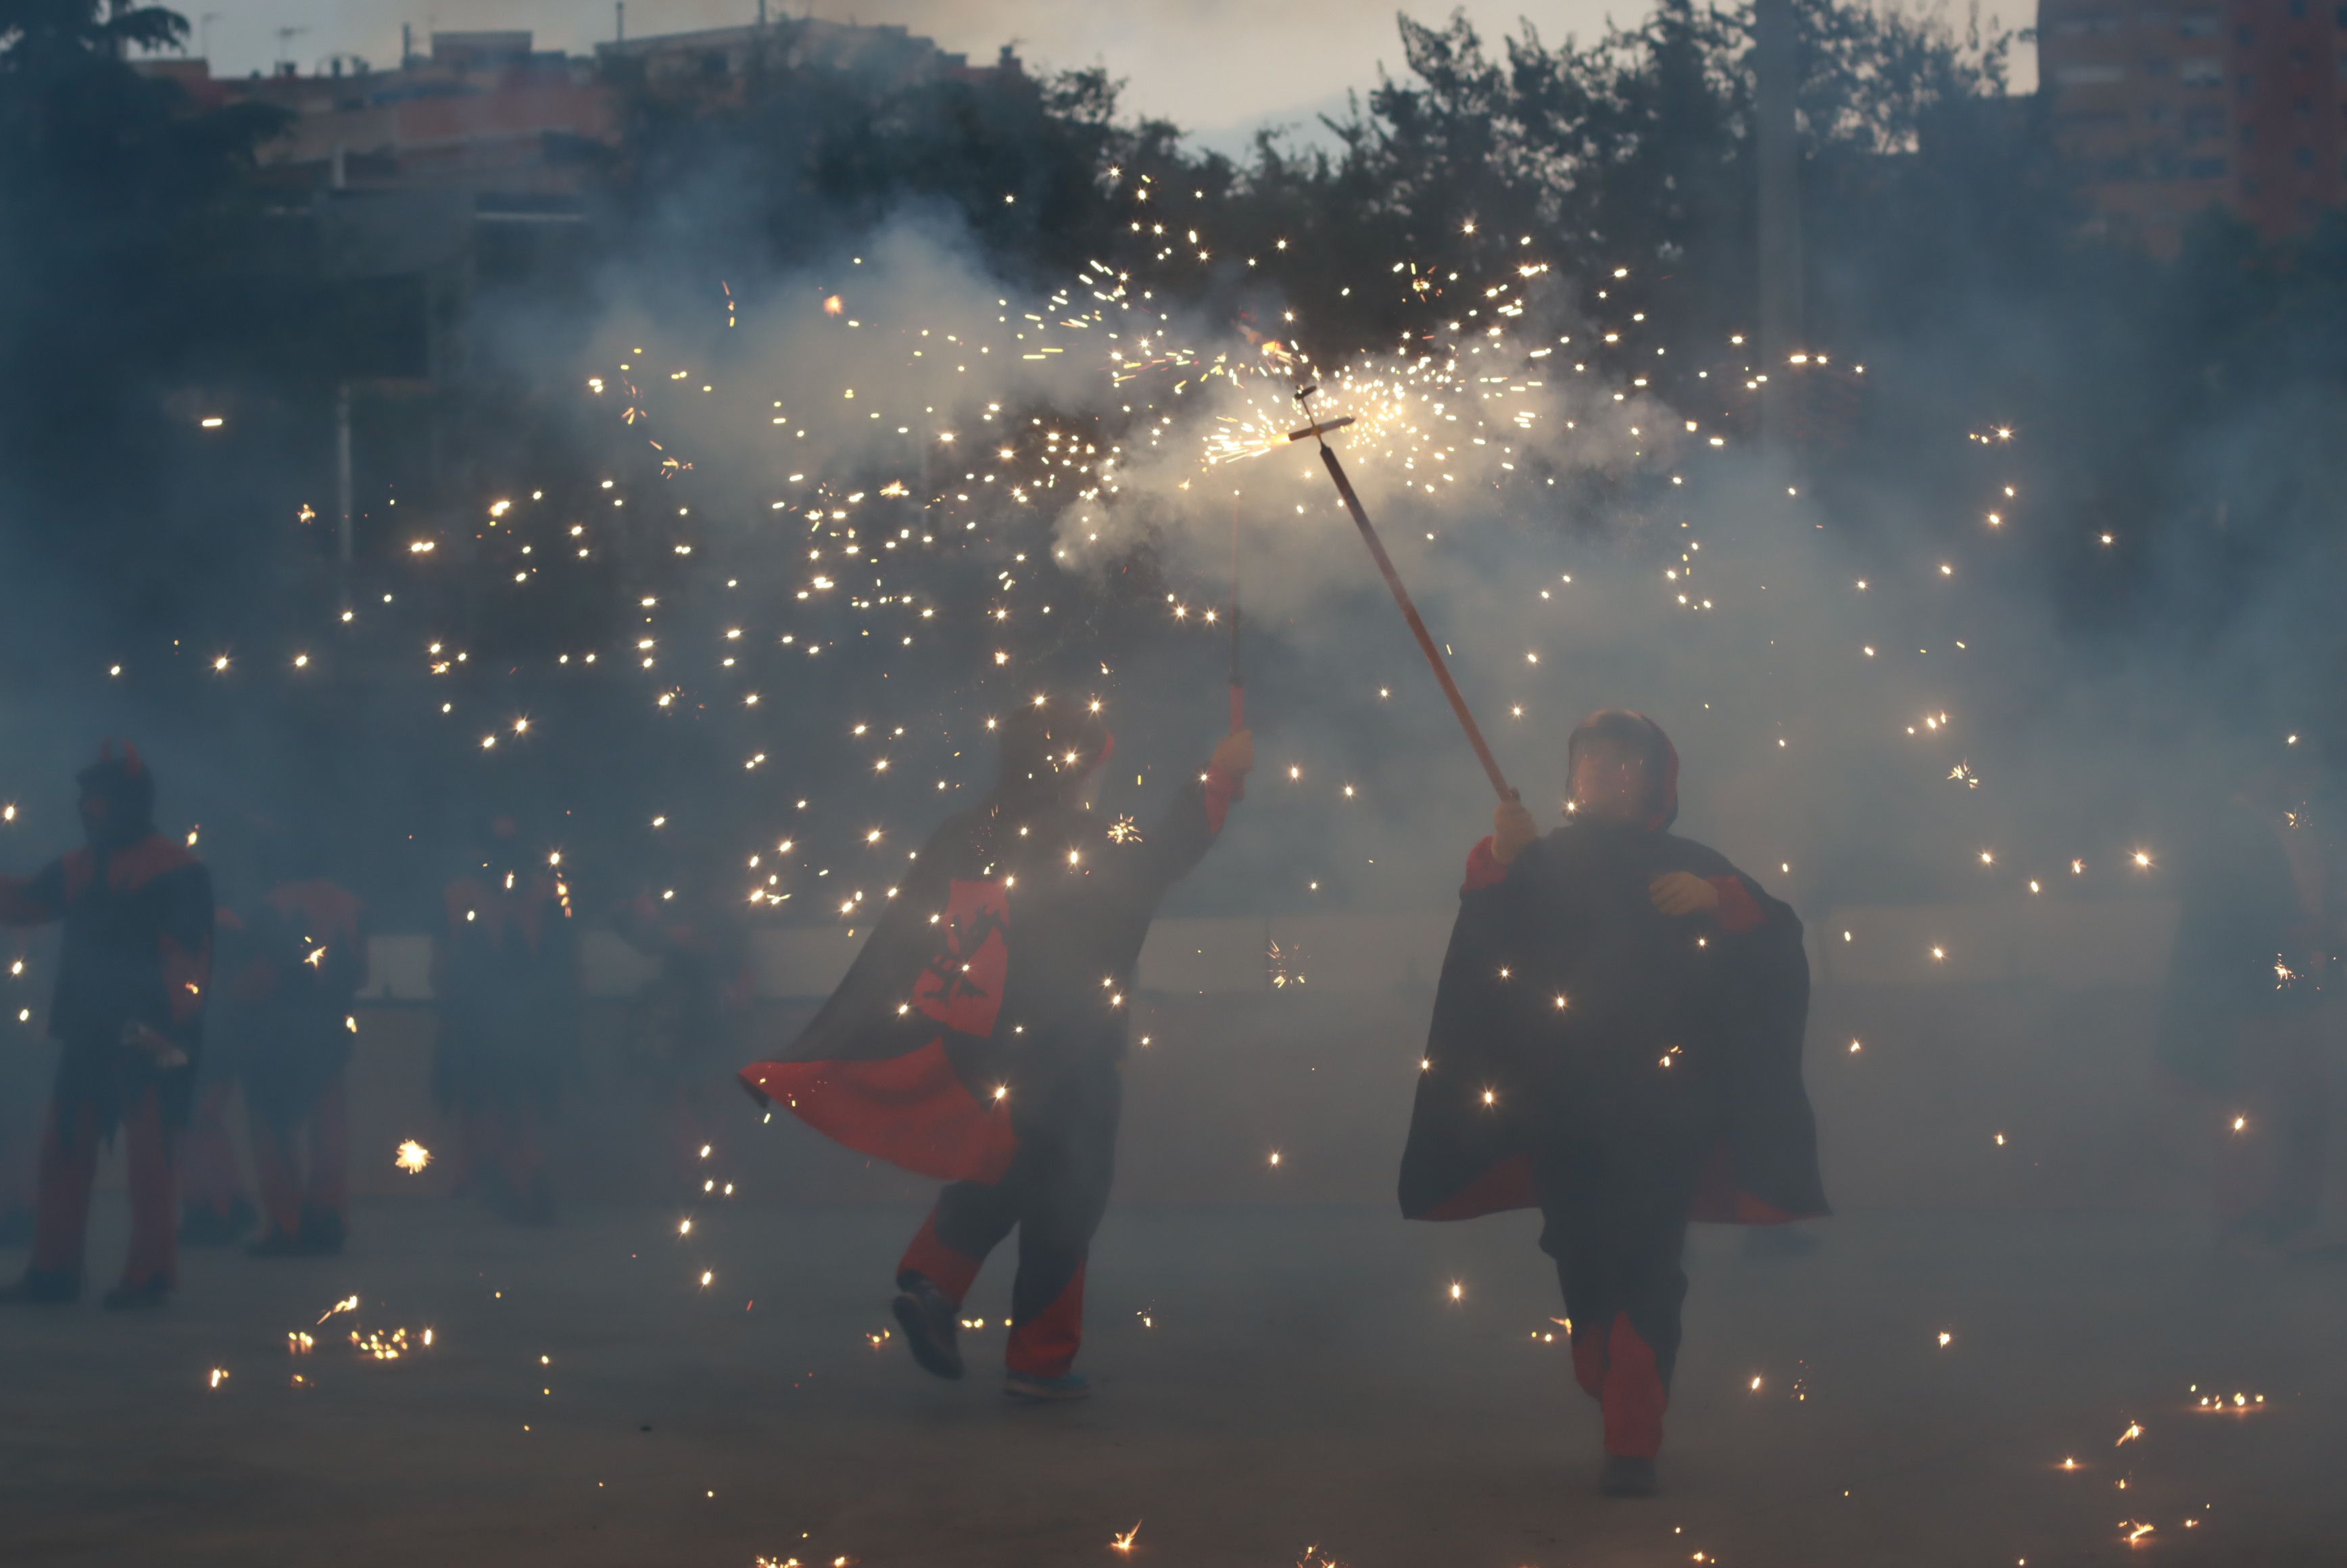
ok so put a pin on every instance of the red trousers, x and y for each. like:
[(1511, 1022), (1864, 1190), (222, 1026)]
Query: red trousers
[(1054, 1194), (209, 1179), (285, 1194), (68, 1168)]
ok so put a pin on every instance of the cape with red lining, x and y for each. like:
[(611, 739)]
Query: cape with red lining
[(1005, 961), (1571, 919)]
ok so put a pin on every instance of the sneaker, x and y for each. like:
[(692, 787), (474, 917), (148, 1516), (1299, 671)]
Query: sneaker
[(1029, 1386), (929, 1325), (43, 1287), (1626, 1475), (125, 1297)]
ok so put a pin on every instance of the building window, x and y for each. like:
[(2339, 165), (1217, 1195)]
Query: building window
[(2202, 72), (2248, 136), (2245, 35), (2245, 88), (2298, 8), (2203, 23), (2203, 124), (2302, 156), (2204, 169), (2093, 76)]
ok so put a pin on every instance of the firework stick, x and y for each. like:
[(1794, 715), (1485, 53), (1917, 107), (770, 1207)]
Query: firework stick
[(1434, 659)]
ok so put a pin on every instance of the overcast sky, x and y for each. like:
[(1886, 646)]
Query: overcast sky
[(1216, 67)]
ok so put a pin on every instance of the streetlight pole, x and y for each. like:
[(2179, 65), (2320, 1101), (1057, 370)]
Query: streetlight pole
[(1777, 59)]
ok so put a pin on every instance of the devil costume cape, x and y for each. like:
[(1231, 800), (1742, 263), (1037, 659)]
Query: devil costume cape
[(1566, 1002), (1000, 970)]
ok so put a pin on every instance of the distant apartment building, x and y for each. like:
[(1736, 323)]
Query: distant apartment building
[(522, 129), (480, 112), (2165, 111), (718, 62)]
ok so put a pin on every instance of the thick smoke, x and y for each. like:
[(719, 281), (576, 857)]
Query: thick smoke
[(1866, 713)]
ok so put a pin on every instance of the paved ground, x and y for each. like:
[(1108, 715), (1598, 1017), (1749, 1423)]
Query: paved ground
[(1301, 1378)]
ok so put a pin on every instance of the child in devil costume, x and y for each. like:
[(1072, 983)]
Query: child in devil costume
[(1616, 1041), (127, 1015), (979, 1036)]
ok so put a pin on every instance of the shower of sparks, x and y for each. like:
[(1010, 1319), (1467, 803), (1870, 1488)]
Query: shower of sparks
[(1124, 1543), (413, 1157), (378, 1345)]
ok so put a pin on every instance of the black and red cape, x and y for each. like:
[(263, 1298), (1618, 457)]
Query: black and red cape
[(1562, 979), (1003, 964)]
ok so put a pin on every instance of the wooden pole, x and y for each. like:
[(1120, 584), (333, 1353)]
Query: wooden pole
[(1401, 597)]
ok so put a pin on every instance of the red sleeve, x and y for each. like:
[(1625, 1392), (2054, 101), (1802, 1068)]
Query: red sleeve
[(1739, 910), (1222, 788), (1484, 868)]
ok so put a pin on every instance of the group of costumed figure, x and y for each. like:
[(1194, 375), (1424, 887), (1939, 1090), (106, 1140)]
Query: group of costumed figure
[(173, 993), (186, 985), (1615, 1039)]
